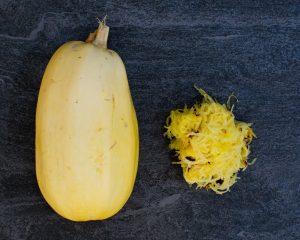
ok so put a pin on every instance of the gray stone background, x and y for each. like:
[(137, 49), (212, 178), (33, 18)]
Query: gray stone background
[(248, 47)]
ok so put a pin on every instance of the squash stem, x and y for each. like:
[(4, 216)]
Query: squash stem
[(100, 36)]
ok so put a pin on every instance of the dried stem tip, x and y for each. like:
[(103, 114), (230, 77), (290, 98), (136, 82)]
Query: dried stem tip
[(100, 36)]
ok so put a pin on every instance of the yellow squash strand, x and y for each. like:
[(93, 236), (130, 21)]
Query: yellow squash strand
[(211, 145)]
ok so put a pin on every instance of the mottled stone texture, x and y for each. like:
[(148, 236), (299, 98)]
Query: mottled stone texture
[(248, 47)]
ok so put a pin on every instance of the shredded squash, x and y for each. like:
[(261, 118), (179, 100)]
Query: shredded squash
[(210, 144)]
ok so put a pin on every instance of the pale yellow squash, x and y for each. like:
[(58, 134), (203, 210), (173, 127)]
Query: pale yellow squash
[(86, 131)]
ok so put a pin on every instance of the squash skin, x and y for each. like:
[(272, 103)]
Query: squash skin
[(87, 139)]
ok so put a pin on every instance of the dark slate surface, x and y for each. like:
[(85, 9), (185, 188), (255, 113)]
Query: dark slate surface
[(248, 47)]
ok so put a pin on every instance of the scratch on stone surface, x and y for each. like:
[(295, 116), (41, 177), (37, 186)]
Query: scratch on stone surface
[(169, 200), (24, 203), (33, 34), (7, 71), (225, 37), (6, 76), (162, 203), (40, 26), (131, 212)]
